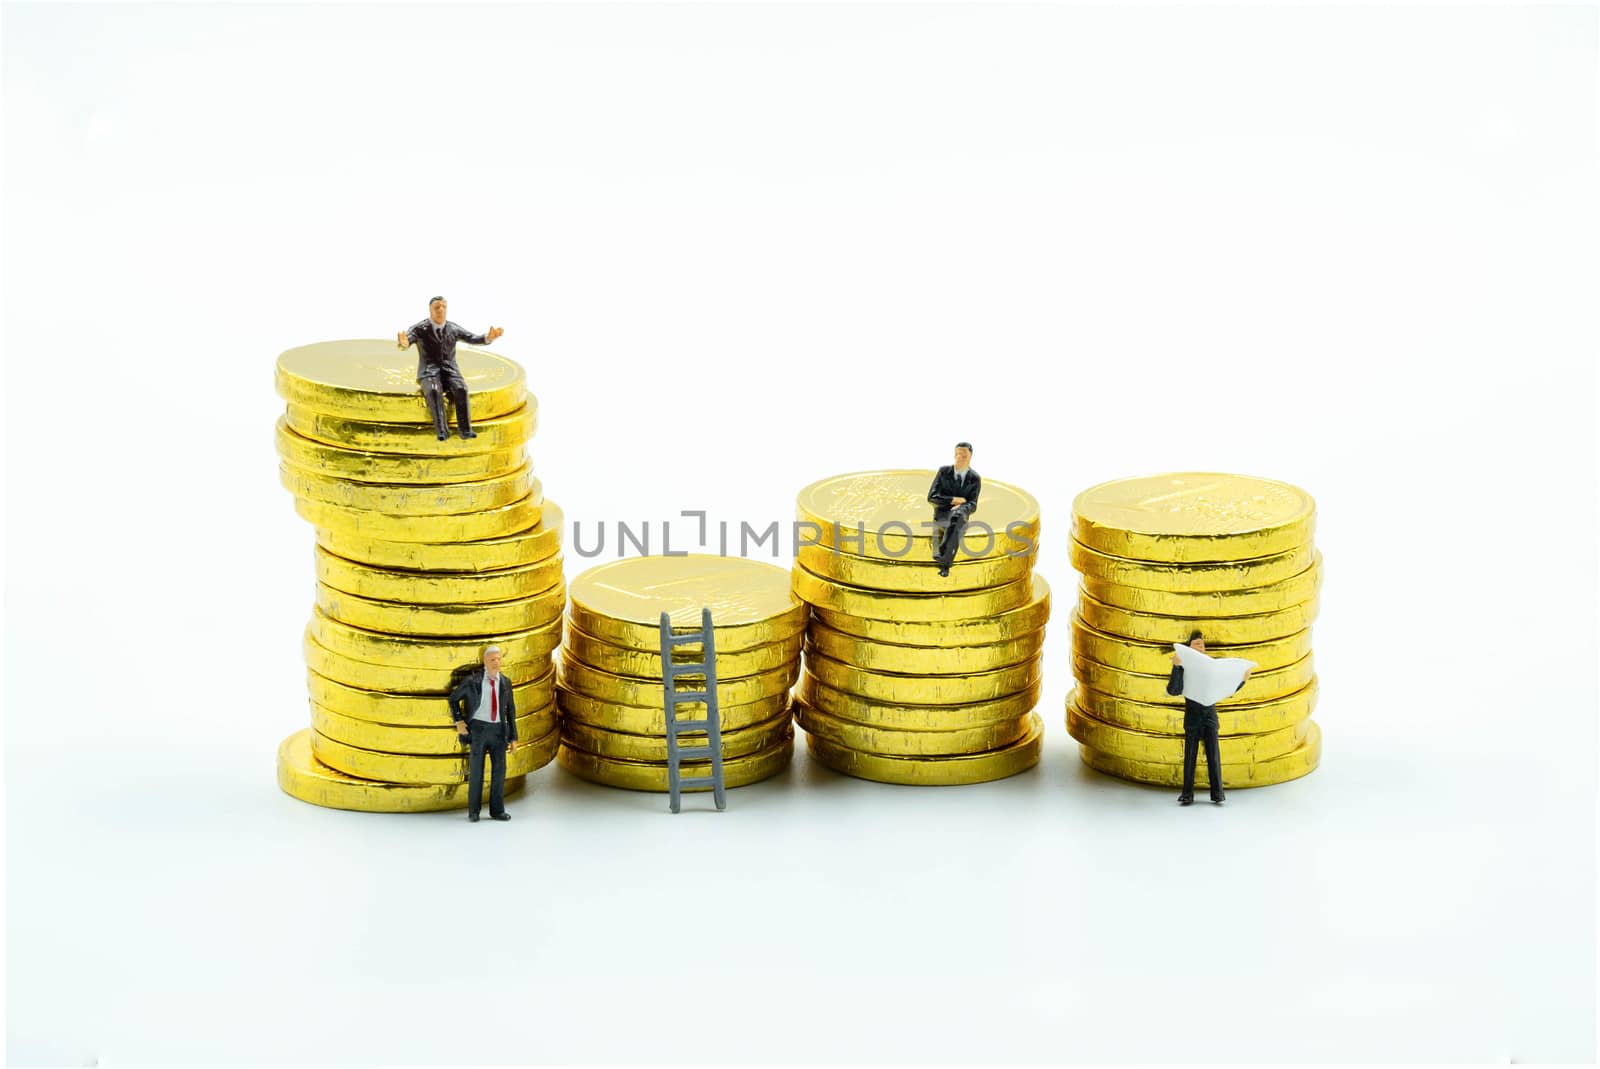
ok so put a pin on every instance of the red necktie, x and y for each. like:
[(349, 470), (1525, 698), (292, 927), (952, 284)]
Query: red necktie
[(494, 700)]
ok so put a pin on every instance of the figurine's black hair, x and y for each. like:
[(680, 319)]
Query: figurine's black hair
[(964, 445), (1194, 635), (432, 299)]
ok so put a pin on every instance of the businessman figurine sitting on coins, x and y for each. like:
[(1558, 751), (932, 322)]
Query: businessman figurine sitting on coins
[(437, 372), (954, 496), (485, 714)]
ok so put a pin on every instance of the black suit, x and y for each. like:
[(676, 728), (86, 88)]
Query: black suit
[(485, 737), (953, 521), (1199, 723), (437, 371)]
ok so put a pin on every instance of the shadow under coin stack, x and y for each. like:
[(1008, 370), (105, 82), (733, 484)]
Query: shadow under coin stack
[(913, 677), (427, 551), (613, 725), (1229, 556)]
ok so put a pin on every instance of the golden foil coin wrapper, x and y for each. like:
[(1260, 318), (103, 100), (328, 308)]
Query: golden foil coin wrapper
[(403, 739), (1217, 630), (642, 664), (447, 654), (463, 527), (305, 454), (651, 719), (624, 746), (845, 706), (302, 776), (924, 743), (913, 575), (1232, 718), (510, 431), (1133, 745), (621, 601), (1292, 765), (629, 690), (933, 771), (948, 607), (530, 755), (882, 514), (1193, 516), (1149, 658), (364, 675), (923, 660), (1246, 602), (1000, 627), (921, 690), (373, 379), (412, 499), (531, 546), (417, 710), (1260, 687), (649, 776), (1192, 578), (465, 588), (479, 621)]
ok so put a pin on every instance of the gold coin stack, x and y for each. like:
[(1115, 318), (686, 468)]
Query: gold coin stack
[(427, 551), (610, 690), (912, 677), (1230, 556)]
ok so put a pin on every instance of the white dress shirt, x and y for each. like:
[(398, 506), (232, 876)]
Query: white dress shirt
[(490, 683)]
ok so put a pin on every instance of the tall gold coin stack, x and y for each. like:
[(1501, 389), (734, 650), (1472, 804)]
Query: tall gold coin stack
[(427, 551), (613, 724), (913, 677), (1230, 556)]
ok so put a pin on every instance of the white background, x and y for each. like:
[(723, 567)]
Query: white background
[(738, 249)]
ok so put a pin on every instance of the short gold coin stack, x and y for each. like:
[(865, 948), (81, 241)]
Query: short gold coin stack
[(912, 677), (427, 552), (611, 694), (1230, 556)]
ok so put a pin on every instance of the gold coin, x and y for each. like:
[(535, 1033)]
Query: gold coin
[(392, 738), (464, 527), (621, 601), (619, 660), (627, 690), (923, 660), (480, 621), (913, 575), (302, 776), (1249, 602), (396, 499), (854, 736), (922, 690), (622, 746), (933, 771), (1000, 627), (405, 651), (528, 756), (1122, 742), (321, 459), (1193, 516), (1292, 765), (466, 588), (364, 675), (844, 706), (367, 378), (485, 555), (510, 431), (1260, 687), (1148, 658), (651, 720), (417, 710), (923, 608), (1232, 719), (886, 514), (1217, 630), (648, 776), (1188, 578)]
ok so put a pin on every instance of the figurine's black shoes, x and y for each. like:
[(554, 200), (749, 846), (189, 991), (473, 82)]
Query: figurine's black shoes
[(1215, 800), (1184, 799), (945, 572), (469, 434), (473, 817), (499, 816), (442, 435)]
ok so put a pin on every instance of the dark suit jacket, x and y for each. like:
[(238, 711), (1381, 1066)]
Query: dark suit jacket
[(435, 355), (946, 487), (1195, 716), (464, 701)]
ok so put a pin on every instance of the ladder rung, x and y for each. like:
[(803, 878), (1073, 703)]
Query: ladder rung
[(693, 780), (680, 640), (690, 753), (682, 726), (689, 695), (697, 668)]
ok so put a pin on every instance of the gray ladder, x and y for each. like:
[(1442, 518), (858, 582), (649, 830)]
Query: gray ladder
[(711, 723)]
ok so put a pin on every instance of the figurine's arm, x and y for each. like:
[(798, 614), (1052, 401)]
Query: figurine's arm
[(1175, 681), (511, 717), (405, 337), (971, 503), (458, 707), (935, 497), (482, 339)]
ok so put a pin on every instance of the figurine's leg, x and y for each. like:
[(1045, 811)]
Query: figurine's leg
[(497, 778), (458, 397), (1191, 748), (952, 543), (434, 396), (475, 770), (1214, 763)]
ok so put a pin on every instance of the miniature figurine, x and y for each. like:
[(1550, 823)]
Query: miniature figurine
[(437, 372), (954, 495), (487, 717), (1210, 679)]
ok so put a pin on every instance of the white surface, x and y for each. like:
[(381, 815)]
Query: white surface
[(1362, 237)]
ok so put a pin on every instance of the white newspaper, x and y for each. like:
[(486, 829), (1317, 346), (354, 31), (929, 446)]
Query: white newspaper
[(1207, 679)]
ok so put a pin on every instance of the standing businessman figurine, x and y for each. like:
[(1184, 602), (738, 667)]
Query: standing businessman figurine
[(954, 496), (437, 372), (1199, 722), (486, 714)]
